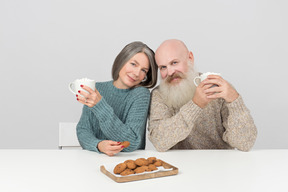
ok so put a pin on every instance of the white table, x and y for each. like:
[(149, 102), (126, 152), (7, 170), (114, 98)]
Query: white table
[(199, 170)]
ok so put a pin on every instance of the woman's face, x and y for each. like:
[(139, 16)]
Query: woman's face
[(133, 72)]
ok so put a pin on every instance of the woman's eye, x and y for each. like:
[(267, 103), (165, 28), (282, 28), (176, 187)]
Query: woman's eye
[(143, 70), (133, 64)]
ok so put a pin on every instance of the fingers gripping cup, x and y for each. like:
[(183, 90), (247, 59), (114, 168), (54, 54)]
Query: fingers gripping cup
[(75, 86), (203, 76)]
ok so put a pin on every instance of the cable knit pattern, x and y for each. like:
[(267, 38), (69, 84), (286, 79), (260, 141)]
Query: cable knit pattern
[(220, 125), (120, 115)]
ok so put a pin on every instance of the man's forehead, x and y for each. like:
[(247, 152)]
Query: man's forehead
[(165, 55)]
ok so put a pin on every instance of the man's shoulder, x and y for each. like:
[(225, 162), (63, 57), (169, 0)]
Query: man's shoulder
[(156, 89), (157, 95)]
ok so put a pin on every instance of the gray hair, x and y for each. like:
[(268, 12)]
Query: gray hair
[(127, 53)]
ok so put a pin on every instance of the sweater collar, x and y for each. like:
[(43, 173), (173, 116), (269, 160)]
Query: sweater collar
[(119, 90)]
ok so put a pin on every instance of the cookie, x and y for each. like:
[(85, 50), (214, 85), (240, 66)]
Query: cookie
[(141, 161), (158, 163), (125, 144), (140, 170), (152, 167), (151, 160), (146, 167), (119, 168), (130, 164), (127, 172)]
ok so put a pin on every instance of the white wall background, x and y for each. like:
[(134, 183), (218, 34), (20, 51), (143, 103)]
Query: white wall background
[(46, 44)]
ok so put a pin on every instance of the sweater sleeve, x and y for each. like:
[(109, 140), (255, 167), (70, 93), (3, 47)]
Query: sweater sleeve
[(133, 129), (241, 131), (165, 129), (85, 133)]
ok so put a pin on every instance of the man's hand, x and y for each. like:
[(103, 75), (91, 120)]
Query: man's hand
[(222, 90), (200, 97)]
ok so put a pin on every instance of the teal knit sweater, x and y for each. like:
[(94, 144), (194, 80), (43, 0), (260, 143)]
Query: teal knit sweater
[(120, 115)]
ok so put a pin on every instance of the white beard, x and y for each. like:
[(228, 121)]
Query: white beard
[(179, 94)]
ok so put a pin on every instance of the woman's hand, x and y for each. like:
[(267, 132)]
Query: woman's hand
[(91, 98), (109, 147)]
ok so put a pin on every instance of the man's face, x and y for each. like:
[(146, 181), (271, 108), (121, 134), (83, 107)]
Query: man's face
[(173, 64)]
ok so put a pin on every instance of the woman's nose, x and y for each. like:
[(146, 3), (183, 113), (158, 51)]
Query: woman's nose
[(137, 72)]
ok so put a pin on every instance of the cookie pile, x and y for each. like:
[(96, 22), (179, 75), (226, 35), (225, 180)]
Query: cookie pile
[(138, 166)]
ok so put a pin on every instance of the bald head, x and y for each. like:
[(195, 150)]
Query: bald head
[(172, 56), (172, 44)]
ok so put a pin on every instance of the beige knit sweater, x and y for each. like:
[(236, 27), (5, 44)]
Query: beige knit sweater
[(220, 125)]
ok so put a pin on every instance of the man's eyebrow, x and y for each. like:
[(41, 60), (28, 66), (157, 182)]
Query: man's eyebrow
[(173, 60)]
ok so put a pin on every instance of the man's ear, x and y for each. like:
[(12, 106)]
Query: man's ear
[(191, 57)]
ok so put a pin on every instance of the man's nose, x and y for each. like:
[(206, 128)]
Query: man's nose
[(171, 71)]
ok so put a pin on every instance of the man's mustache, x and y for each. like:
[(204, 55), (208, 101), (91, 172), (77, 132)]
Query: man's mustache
[(175, 75)]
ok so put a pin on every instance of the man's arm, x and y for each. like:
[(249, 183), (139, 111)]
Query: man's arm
[(166, 129), (241, 131)]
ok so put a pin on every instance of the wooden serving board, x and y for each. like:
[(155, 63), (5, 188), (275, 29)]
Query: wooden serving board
[(147, 175)]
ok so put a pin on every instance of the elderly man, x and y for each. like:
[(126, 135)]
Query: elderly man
[(183, 116)]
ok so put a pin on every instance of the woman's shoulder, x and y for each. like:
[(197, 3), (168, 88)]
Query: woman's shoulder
[(103, 85), (139, 95), (140, 90)]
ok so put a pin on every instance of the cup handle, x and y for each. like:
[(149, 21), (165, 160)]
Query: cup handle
[(195, 80), (70, 88)]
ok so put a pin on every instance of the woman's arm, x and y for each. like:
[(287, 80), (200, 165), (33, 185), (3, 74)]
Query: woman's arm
[(85, 133), (134, 127)]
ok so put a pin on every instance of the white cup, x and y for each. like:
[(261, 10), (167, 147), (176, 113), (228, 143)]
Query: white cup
[(74, 87), (203, 76)]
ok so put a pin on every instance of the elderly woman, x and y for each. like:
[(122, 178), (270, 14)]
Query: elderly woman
[(117, 110)]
